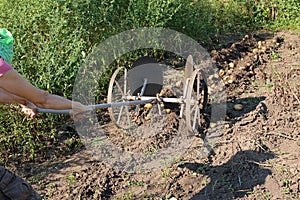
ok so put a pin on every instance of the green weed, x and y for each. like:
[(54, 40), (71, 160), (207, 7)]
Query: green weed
[(71, 179), (136, 183), (274, 56), (126, 196)]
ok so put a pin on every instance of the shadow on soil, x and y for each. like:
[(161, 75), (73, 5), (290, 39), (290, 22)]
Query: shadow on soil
[(233, 179)]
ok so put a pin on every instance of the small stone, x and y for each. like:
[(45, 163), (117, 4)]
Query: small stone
[(178, 83), (225, 78), (242, 68), (221, 72), (168, 110), (147, 118), (231, 65), (240, 90), (230, 71), (214, 52), (259, 43), (263, 49), (238, 107), (213, 125), (212, 86), (255, 51)]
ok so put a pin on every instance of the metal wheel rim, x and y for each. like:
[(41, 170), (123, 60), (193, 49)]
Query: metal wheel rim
[(122, 111), (193, 111)]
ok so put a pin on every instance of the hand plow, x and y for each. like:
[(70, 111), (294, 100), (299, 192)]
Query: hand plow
[(142, 85)]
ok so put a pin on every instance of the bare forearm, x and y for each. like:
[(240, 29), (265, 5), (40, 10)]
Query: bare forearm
[(9, 98), (53, 101), (14, 83), (56, 102)]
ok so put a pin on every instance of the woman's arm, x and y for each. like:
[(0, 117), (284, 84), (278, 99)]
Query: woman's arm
[(28, 108), (9, 98), (15, 84)]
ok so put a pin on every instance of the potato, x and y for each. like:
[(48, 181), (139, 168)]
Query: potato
[(148, 105), (238, 107)]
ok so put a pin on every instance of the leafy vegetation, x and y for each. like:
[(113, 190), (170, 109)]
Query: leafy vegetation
[(53, 37)]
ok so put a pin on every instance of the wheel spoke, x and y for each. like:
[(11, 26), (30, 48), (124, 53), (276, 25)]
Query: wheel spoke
[(198, 84), (119, 115), (193, 108), (119, 88), (195, 118), (125, 82), (127, 117)]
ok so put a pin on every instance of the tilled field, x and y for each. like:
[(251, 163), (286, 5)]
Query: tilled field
[(255, 157)]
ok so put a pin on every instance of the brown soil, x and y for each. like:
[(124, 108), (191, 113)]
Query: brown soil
[(256, 157)]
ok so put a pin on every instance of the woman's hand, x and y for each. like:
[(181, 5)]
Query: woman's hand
[(29, 110), (79, 110)]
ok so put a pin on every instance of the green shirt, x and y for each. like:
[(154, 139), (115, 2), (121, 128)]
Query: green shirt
[(6, 45)]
